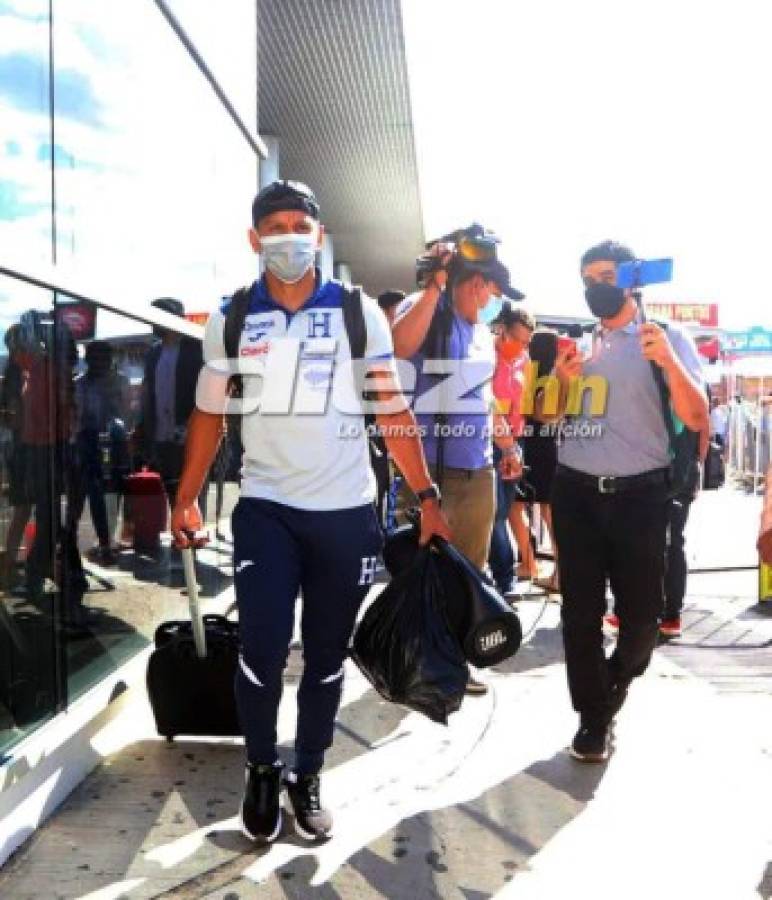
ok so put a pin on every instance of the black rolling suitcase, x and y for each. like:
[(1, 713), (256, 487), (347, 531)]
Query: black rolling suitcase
[(191, 672)]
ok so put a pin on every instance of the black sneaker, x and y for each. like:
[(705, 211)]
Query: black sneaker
[(260, 816), (312, 821), (590, 743)]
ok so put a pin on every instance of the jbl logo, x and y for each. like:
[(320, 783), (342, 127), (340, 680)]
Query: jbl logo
[(490, 641)]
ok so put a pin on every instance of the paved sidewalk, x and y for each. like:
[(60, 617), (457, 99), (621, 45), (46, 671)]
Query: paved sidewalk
[(491, 806)]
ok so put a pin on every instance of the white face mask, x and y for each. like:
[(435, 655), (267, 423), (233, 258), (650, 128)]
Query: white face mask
[(289, 256)]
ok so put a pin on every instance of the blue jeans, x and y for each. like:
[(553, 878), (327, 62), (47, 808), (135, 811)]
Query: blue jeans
[(501, 557), (89, 481)]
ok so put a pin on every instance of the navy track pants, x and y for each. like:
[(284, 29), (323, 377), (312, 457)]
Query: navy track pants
[(329, 557)]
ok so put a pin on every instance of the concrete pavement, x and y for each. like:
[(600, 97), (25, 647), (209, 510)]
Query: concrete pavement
[(492, 806)]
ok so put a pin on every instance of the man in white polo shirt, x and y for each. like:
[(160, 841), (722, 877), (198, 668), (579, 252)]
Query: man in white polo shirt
[(306, 520)]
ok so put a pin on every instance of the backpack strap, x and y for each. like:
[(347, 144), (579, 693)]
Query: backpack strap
[(235, 316), (354, 320), (664, 398), (684, 453)]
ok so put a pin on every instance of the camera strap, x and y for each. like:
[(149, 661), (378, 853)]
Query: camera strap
[(444, 317)]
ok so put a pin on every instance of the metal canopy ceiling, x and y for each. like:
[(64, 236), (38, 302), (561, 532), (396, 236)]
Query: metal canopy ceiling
[(333, 90)]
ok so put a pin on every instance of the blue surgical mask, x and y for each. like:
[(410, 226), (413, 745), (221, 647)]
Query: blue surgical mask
[(491, 309), (289, 256)]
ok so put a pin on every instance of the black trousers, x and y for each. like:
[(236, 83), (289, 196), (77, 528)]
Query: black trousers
[(330, 557), (675, 562), (608, 538)]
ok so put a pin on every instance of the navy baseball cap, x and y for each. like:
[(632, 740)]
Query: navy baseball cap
[(500, 275), (494, 270), (283, 195)]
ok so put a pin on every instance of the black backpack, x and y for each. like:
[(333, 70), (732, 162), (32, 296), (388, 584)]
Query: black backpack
[(685, 469), (235, 316)]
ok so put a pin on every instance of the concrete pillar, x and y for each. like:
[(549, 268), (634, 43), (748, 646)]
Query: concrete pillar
[(269, 167), (342, 271), (326, 256), (269, 171)]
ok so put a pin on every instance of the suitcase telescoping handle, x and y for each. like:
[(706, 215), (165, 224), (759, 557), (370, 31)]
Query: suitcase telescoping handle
[(197, 623), (191, 583)]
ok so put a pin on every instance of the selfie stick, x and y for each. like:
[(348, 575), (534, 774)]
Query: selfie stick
[(638, 294)]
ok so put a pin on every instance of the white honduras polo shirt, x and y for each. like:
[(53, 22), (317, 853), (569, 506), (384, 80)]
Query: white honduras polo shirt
[(300, 448)]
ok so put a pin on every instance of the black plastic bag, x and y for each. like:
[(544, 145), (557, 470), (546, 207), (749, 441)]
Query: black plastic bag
[(405, 647)]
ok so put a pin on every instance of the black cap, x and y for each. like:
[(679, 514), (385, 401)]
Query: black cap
[(170, 305), (390, 298), (500, 274), (283, 195), (506, 316)]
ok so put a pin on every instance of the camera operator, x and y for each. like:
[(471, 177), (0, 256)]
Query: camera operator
[(442, 322), (610, 495)]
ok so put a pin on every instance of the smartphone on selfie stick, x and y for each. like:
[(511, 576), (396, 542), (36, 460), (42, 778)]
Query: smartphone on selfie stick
[(640, 272)]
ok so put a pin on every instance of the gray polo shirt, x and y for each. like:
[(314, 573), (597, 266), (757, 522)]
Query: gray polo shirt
[(630, 437)]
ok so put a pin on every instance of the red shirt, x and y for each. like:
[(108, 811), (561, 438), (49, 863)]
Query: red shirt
[(46, 402), (508, 383)]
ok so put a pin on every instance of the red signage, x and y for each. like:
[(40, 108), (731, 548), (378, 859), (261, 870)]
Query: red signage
[(705, 314), (710, 348), (197, 318), (80, 319)]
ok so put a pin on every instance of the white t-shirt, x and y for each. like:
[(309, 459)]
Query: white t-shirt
[(719, 421), (311, 455)]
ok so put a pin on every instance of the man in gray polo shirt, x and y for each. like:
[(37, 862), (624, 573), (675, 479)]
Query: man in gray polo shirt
[(610, 496)]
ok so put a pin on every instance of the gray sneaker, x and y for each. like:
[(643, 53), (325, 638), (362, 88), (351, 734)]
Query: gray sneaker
[(312, 821)]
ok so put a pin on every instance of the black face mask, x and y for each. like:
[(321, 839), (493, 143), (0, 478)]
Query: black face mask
[(605, 300)]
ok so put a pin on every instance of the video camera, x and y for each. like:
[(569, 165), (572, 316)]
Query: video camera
[(472, 249), (467, 245)]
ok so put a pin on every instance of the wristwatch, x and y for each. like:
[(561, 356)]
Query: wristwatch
[(430, 493)]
